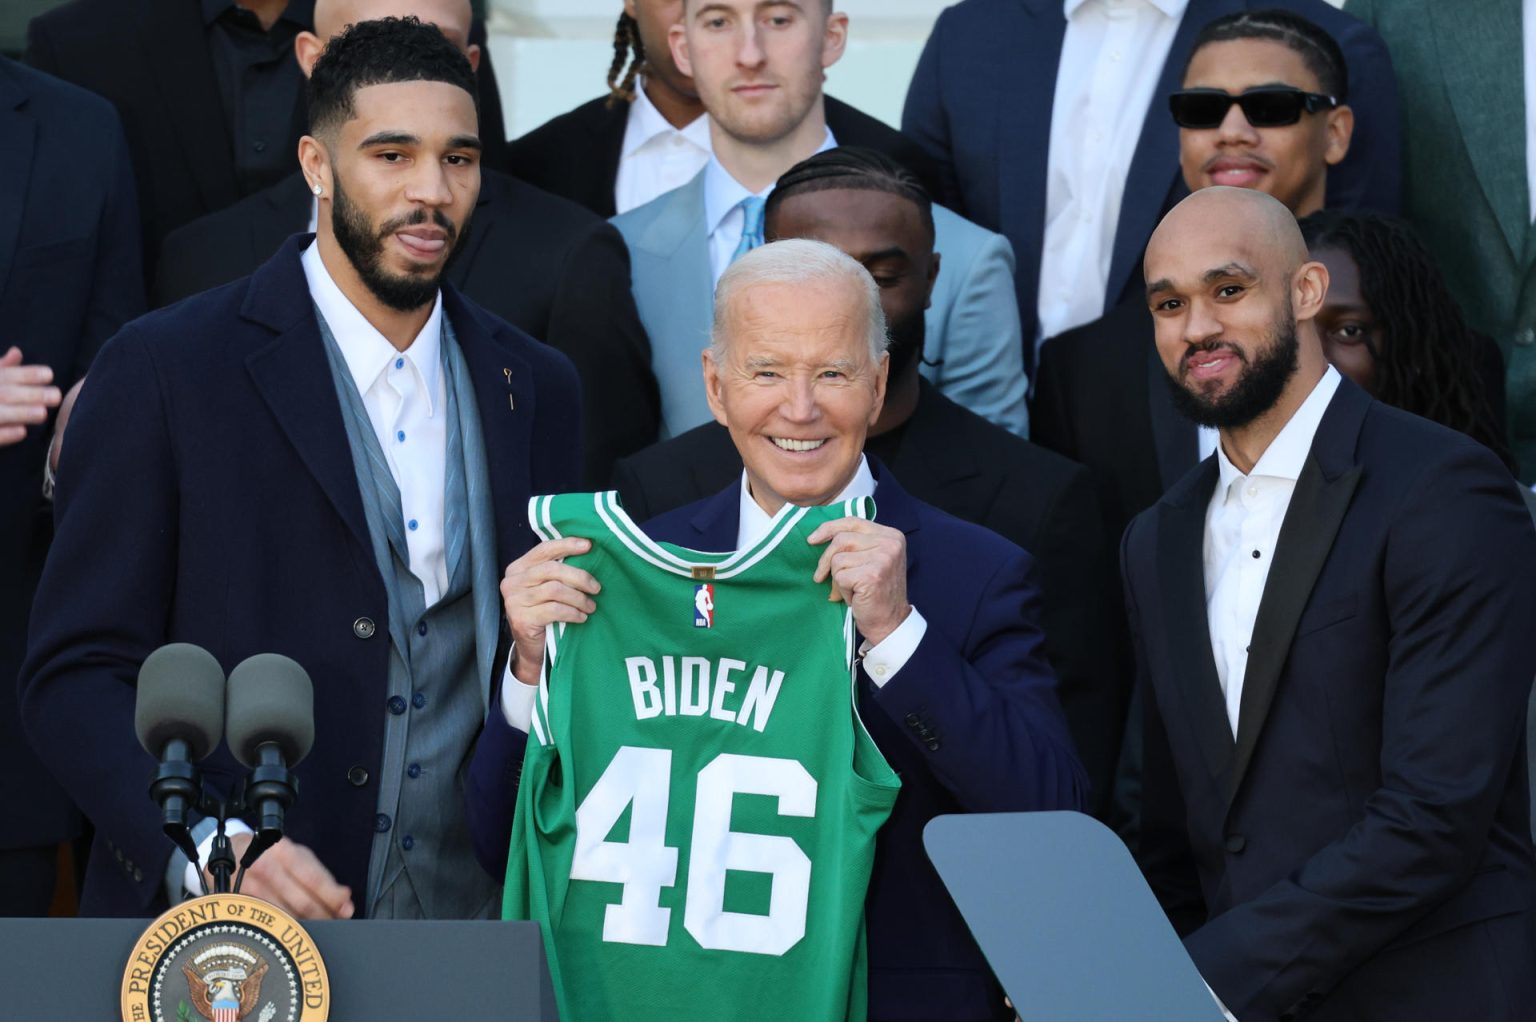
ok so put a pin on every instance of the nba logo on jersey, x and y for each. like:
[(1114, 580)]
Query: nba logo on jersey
[(704, 606)]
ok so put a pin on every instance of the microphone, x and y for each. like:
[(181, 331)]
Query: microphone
[(178, 716), (270, 726)]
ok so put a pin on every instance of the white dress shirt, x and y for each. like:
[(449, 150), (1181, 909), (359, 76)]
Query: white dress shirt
[(1242, 528), (881, 661), (722, 210), (1111, 58), (657, 157), (404, 394)]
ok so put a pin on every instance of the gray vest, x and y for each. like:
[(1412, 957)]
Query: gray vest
[(421, 864)]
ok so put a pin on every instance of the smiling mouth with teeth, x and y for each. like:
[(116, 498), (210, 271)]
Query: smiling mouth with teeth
[(786, 444)]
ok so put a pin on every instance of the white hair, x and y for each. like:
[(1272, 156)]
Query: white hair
[(796, 261)]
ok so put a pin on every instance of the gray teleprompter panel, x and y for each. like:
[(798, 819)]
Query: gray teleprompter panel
[(379, 969), (1065, 919)]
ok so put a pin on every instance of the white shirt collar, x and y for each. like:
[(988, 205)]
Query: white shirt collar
[(722, 192), (366, 351), (1171, 8), (1287, 452), (645, 122), (753, 523)]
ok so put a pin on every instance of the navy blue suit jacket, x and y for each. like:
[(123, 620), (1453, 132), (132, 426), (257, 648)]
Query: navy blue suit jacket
[(207, 495), (69, 278), (971, 723), (980, 104), (1361, 850)]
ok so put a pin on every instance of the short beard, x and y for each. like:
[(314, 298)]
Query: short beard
[(1258, 387), (364, 248)]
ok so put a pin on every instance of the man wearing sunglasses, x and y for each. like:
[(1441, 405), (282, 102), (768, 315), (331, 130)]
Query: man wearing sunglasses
[(1101, 397)]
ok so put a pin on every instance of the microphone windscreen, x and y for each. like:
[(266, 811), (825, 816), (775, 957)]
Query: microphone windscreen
[(180, 695), (270, 700)]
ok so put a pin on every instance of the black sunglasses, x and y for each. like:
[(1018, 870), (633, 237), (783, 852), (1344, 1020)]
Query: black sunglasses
[(1268, 106)]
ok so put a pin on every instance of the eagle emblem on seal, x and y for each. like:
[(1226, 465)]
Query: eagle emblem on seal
[(224, 981)]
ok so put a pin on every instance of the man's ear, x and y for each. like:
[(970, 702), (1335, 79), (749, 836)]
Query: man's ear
[(835, 41), (307, 47), (1341, 128), (315, 162), (882, 377), (473, 53), (712, 388), (1308, 289), (677, 38)]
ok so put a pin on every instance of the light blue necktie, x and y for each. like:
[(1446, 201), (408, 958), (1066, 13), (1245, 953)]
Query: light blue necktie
[(752, 226)]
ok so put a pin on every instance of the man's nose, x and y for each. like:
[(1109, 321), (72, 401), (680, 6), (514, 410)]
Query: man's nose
[(800, 401), (429, 184), (1235, 127), (749, 53)]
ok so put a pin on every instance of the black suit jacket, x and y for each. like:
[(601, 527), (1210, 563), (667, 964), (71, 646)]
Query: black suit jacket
[(1362, 850), (962, 464), (207, 495), (69, 277), (151, 59), (543, 264), (577, 153)]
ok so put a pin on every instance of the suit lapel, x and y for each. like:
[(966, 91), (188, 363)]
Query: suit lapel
[(1181, 562), (180, 64), (504, 393), (1322, 495), (1472, 37), (18, 136), (717, 521), (294, 378), (1023, 161), (1155, 165), (1176, 439)]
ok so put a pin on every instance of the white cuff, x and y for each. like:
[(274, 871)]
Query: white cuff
[(517, 699), (883, 660), (189, 880)]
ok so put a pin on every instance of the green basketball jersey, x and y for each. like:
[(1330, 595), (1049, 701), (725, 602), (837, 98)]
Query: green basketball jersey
[(696, 819)]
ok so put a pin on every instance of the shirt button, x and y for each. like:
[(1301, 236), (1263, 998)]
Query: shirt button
[(1253, 491), (419, 700), (413, 771), (407, 842), (411, 525), (396, 705), (400, 435), (1255, 555), (881, 670), (357, 777), (421, 629), (259, 146), (399, 363), (1236, 843), (381, 823), (363, 628)]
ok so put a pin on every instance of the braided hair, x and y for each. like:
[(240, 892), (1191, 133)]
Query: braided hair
[(1428, 362), (1318, 50), (852, 168), (627, 50)]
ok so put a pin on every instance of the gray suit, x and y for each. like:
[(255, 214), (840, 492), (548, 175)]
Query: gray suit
[(973, 335), (1464, 171)]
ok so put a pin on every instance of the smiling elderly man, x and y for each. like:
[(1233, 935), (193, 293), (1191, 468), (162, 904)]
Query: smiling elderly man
[(952, 684)]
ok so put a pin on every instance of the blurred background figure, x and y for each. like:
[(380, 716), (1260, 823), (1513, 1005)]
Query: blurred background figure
[(69, 277), (1467, 75)]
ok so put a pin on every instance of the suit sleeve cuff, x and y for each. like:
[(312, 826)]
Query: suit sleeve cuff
[(883, 660), (517, 700)]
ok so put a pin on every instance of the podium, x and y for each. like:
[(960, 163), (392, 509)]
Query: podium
[(1064, 918), (379, 969)]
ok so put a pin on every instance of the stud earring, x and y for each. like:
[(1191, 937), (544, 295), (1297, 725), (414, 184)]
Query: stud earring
[(316, 189)]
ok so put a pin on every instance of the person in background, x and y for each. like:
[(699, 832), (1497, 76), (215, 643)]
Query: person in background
[(650, 133), (760, 77), (69, 279), (1467, 75), (1048, 121)]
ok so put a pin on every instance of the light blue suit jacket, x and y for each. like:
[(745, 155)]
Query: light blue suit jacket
[(973, 333)]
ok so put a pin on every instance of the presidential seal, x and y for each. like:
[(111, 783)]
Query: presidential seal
[(225, 958)]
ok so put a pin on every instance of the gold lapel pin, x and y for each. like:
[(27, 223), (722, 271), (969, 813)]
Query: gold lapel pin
[(511, 404)]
